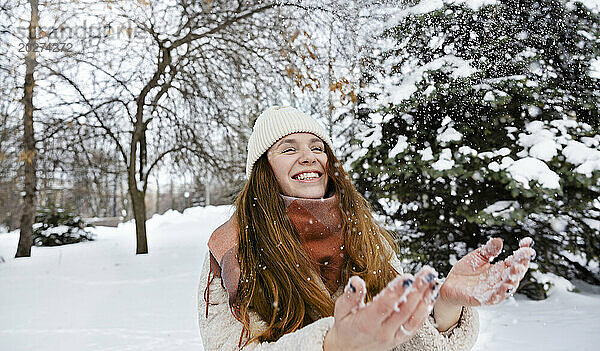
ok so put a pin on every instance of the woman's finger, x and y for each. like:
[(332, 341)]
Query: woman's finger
[(387, 300), (353, 298), (491, 249), (517, 272), (526, 242), (516, 264), (415, 321), (411, 326), (391, 298), (525, 258), (424, 295), (521, 255), (498, 296), (503, 291)]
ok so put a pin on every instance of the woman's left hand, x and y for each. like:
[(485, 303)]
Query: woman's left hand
[(475, 281)]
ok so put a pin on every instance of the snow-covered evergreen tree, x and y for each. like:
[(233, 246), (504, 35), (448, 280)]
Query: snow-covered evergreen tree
[(57, 226), (482, 119)]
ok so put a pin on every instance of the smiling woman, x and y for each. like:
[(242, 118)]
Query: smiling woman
[(299, 162), (276, 272)]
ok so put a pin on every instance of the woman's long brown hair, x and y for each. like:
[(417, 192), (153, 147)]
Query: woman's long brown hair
[(276, 278)]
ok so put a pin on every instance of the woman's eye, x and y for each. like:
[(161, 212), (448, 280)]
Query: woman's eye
[(289, 149), (318, 148)]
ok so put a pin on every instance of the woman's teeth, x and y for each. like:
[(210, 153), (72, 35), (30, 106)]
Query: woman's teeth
[(307, 176)]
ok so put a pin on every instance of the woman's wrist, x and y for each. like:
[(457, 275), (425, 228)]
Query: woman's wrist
[(329, 341), (446, 314)]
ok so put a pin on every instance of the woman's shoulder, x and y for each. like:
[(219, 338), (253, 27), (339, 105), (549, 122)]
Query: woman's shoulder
[(228, 226), (223, 238)]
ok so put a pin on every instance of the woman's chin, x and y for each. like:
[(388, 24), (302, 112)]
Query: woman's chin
[(309, 193), (310, 189)]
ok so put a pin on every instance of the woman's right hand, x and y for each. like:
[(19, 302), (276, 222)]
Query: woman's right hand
[(392, 318)]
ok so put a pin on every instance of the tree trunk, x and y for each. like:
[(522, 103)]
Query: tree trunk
[(29, 151), (157, 206), (207, 188), (139, 214), (171, 194), (137, 188), (114, 195)]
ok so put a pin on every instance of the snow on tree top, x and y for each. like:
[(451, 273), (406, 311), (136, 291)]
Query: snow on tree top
[(529, 168), (543, 143), (426, 154), (449, 134), (427, 6), (595, 68), (445, 161), (500, 208), (593, 5), (398, 88), (587, 158), (400, 146)]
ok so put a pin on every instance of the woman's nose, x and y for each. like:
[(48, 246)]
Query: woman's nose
[(307, 157)]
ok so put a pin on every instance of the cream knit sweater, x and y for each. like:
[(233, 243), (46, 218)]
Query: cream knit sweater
[(221, 331)]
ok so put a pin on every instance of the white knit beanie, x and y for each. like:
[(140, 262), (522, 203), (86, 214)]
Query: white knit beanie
[(275, 123)]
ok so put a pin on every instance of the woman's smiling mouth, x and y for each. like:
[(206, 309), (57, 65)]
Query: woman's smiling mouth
[(307, 176)]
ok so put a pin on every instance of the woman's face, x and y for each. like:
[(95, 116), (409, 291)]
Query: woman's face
[(299, 162)]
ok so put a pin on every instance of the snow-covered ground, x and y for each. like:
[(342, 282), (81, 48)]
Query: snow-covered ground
[(101, 296)]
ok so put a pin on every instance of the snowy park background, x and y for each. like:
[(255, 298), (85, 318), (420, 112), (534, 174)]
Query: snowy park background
[(457, 119), (97, 296)]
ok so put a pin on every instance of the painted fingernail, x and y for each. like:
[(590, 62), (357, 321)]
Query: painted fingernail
[(532, 243), (532, 257), (430, 277), (437, 294), (407, 283), (352, 287)]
